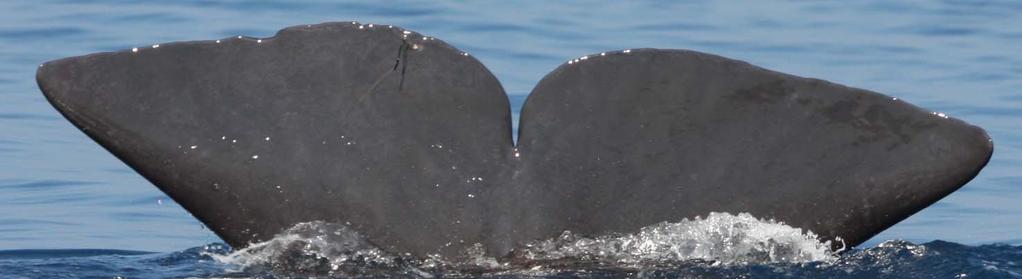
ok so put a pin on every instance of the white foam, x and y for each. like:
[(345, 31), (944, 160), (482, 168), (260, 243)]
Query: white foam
[(309, 242), (721, 237)]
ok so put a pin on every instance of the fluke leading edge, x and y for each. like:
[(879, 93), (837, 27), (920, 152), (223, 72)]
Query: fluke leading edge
[(408, 140)]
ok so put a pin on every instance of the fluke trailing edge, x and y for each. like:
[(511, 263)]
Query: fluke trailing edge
[(409, 140)]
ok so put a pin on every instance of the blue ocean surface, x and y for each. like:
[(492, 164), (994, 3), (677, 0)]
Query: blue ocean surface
[(69, 209)]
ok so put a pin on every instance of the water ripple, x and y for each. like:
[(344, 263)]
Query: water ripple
[(26, 116), (45, 185), (65, 253), (38, 33)]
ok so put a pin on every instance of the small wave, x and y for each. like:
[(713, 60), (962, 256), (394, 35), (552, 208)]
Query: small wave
[(317, 248)]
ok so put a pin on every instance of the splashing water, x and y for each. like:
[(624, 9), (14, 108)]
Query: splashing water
[(318, 248), (891, 259), (720, 237), (315, 248)]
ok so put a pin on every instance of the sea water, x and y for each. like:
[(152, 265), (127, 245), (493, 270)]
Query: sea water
[(69, 209)]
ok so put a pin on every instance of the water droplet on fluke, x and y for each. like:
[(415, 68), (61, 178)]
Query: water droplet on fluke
[(134, 49), (156, 46)]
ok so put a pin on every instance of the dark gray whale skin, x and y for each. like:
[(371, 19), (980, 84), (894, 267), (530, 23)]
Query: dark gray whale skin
[(409, 141)]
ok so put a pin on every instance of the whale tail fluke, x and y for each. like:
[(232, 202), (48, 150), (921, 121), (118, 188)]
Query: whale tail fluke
[(408, 140)]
